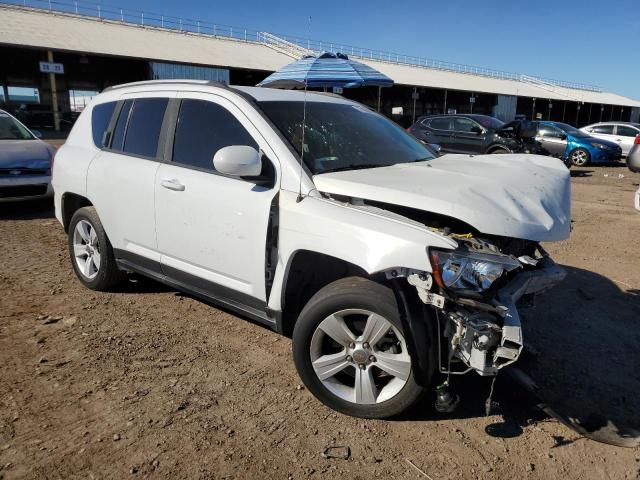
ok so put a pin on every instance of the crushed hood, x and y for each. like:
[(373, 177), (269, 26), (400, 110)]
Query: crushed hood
[(511, 195)]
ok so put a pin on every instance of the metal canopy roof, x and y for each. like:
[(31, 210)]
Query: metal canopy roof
[(76, 33)]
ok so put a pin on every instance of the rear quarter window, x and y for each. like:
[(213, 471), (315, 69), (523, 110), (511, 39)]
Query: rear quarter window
[(100, 118)]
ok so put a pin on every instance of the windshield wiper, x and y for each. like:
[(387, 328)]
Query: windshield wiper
[(359, 166)]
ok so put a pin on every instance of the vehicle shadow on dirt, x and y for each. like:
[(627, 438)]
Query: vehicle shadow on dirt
[(582, 344), (585, 340), (580, 173), (27, 210)]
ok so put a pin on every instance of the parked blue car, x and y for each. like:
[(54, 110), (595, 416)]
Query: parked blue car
[(574, 145)]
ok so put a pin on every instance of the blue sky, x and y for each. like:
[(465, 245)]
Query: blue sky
[(587, 41)]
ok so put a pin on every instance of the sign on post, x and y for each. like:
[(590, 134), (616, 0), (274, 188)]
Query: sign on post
[(50, 67)]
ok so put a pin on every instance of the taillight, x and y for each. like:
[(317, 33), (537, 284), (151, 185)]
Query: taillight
[(637, 140)]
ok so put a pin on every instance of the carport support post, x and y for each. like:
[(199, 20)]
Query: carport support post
[(379, 97), (533, 109), (54, 94), (564, 110), (415, 91), (444, 108)]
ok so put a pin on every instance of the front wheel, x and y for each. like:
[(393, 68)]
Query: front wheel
[(496, 151), (350, 350), (91, 252), (580, 157)]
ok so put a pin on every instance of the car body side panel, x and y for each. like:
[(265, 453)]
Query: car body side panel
[(72, 161), (373, 242)]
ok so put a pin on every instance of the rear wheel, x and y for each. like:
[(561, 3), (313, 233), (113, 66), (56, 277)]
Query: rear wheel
[(350, 350), (91, 252), (580, 157)]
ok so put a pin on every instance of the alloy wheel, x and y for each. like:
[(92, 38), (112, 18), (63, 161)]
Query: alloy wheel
[(579, 157), (86, 249), (360, 357)]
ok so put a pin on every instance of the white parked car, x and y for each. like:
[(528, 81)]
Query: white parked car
[(622, 133), (387, 265)]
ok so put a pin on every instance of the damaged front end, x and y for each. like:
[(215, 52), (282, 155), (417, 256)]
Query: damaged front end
[(475, 291)]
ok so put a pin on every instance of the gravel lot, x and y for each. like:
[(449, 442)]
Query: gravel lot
[(145, 382)]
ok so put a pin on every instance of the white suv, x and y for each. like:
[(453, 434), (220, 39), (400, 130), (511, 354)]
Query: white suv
[(385, 264)]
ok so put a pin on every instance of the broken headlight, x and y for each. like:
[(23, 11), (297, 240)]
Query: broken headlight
[(469, 271)]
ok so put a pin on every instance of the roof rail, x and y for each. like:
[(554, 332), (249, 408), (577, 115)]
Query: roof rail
[(211, 83)]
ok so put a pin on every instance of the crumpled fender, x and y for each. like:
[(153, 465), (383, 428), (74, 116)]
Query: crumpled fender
[(372, 241)]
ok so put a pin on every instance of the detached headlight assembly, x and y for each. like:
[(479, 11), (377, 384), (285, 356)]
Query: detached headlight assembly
[(469, 271)]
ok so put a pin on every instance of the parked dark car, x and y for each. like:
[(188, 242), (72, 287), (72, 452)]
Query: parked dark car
[(477, 134)]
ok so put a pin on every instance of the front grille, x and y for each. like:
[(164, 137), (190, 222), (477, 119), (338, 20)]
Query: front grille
[(23, 191), (11, 172)]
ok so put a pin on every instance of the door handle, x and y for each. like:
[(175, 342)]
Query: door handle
[(172, 185)]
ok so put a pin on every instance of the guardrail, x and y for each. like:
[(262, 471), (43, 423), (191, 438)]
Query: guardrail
[(149, 19), (288, 48)]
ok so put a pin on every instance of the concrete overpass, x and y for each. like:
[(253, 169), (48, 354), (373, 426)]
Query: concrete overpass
[(100, 47)]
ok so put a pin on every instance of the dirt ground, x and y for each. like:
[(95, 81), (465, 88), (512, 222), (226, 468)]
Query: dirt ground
[(148, 383)]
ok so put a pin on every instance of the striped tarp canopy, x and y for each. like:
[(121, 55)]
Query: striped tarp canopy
[(326, 70)]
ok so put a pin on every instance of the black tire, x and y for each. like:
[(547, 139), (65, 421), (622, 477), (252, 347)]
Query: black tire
[(500, 150), (108, 275), (349, 293), (580, 157)]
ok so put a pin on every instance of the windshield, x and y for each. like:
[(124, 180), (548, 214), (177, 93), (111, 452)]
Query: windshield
[(10, 129), (488, 122), (568, 129), (342, 136)]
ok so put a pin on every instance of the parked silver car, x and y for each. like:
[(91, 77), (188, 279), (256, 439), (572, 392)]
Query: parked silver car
[(25, 162), (622, 133)]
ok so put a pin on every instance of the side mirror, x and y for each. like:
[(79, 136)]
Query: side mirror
[(238, 161), (435, 147), (37, 133), (477, 130), (562, 136)]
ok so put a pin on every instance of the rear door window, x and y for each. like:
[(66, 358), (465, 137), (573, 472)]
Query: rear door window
[(202, 129), (625, 131), (441, 123), (602, 129), (144, 126), (100, 118)]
